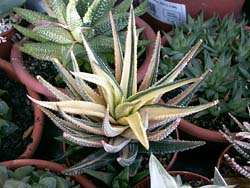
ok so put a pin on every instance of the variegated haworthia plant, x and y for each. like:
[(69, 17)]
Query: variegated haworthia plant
[(57, 34), (118, 117), (241, 144), (160, 178)]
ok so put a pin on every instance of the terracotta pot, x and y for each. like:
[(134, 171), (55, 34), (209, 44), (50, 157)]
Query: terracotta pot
[(188, 176), (42, 164), (27, 79), (168, 167), (38, 115), (195, 7)]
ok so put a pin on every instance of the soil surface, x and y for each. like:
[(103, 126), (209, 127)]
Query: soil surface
[(22, 115)]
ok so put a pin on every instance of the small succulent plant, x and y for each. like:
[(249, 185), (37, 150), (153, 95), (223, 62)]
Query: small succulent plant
[(240, 143), (225, 51), (6, 126), (59, 33), (118, 118), (160, 178), (28, 176)]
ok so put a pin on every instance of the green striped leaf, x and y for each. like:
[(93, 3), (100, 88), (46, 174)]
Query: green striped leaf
[(32, 16), (73, 18), (59, 9), (55, 34)]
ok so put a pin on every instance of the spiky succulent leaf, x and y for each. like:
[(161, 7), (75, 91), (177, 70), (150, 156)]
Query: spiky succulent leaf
[(98, 9), (55, 34), (32, 16), (59, 9), (44, 51), (129, 75), (29, 33)]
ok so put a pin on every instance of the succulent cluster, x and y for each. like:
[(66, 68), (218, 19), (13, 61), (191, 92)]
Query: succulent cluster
[(225, 51), (240, 143), (109, 112), (28, 176), (6, 126), (55, 35), (160, 178)]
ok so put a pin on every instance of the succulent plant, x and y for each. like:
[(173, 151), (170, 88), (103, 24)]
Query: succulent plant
[(116, 115), (225, 51), (240, 143), (28, 176), (6, 6), (6, 126), (59, 33), (160, 178)]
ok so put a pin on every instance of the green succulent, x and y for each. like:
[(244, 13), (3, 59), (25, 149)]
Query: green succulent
[(109, 112), (28, 177), (225, 51), (6, 126), (240, 143), (56, 35), (160, 178)]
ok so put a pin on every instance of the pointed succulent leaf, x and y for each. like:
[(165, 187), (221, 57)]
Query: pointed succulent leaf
[(141, 8), (87, 93), (97, 10), (95, 160), (170, 77), (55, 34), (154, 92), (115, 144), (128, 155), (151, 73), (171, 146), (163, 133), (129, 71), (101, 69), (117, 50), (74, 107), (184, 97), (110, 130), (84, 125), (43, 51), (59, 9), (135, 123), (73, 18), (32, 16), (159, 178), (123, 6), (57, 93), (106, 88), (104, 26), (163, 111), (87, 142), (29, 33), (126, 108)]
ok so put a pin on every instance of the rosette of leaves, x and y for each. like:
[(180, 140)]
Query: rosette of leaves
[(225, 51), (107, 110), (60, 32), (28, 177), (160, 178), (6, 126), (240, 143)]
